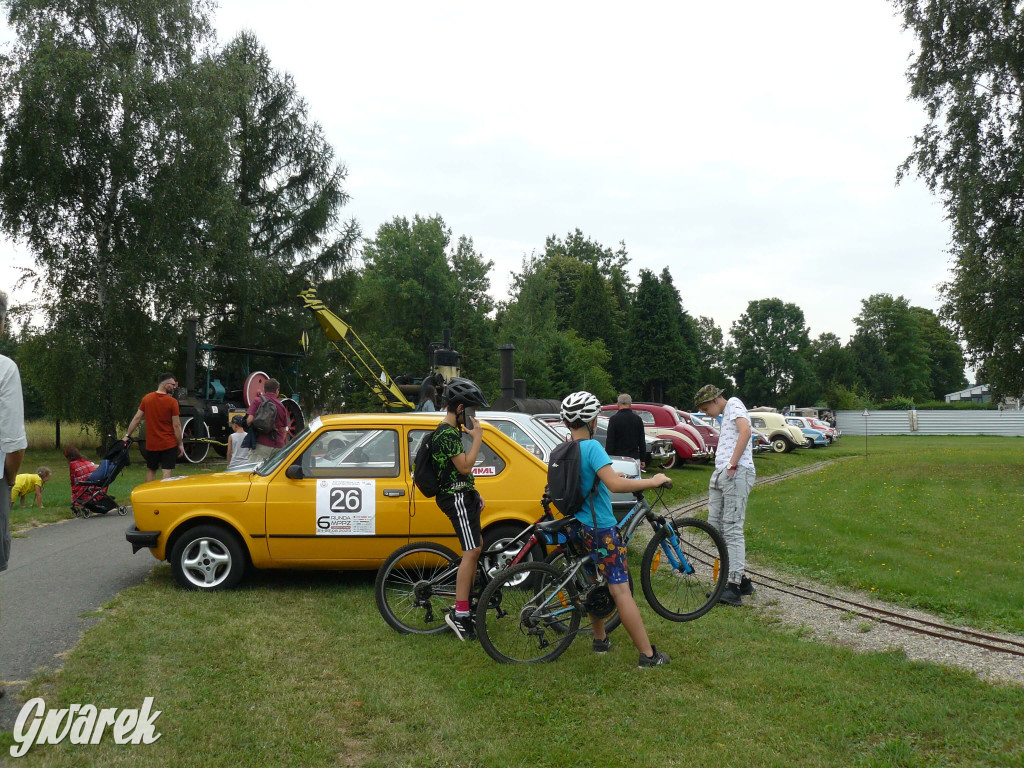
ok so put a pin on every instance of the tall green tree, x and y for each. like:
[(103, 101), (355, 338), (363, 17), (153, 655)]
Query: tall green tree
[(832, 362), (662, 337), (529, 321), (283, 222), (414, 286), (946, 371), (771, 340), (968, 71), (553, 362), (102, 174), (711, 357), (898, 330), (874, 370), (591, 292)]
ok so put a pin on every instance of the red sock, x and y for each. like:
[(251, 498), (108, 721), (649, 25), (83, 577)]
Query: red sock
[(462, 606)]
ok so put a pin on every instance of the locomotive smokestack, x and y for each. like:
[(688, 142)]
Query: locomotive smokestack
[(507, 374)]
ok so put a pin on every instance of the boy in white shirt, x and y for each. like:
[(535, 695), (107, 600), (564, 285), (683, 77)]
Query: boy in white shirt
[(730, 484)]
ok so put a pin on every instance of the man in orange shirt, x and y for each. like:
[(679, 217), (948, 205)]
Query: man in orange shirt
[(164, 443)]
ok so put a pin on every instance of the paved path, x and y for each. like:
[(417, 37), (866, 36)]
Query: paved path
[(56, 574)]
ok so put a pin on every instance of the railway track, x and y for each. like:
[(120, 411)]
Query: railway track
[(887, 615)]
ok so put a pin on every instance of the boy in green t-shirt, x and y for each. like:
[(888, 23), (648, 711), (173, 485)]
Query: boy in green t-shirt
[(456, 495)]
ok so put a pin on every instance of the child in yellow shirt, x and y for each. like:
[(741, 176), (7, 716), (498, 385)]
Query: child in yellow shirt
[(25, 484)]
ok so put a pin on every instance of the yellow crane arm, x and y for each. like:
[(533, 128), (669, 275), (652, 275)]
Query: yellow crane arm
[(354, 352)]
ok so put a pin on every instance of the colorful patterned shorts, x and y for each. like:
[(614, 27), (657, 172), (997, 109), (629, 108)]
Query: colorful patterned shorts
[(606, 550)]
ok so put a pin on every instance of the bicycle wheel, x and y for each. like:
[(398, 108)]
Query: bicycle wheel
[(525, 617), (611, 620), (684, 569), (415, 588)]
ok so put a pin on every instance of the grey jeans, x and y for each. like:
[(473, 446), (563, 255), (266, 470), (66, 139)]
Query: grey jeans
[(727, 511), (5, 523)]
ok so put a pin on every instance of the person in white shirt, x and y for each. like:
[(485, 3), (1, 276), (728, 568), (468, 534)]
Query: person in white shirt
[(730, 484), (237, 453), (12, 438)]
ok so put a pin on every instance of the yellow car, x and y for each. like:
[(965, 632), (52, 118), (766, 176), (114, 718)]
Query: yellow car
[(338, 496)]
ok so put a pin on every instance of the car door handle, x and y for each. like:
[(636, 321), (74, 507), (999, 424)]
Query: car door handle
[(394, 492)]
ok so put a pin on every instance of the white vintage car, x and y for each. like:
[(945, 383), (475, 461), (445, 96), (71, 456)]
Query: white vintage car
[(536, 434)]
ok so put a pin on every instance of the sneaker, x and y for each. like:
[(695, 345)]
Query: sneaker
[(462, 626), (746, 587), (602, 646), (659, 658), (731, 595)]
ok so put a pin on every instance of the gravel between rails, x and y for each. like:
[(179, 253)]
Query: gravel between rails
[(860, 634)]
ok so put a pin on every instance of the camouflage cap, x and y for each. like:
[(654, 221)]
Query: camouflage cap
[(706, 394)]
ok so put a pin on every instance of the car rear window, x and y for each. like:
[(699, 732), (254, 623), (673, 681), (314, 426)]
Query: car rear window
[(362, 452), (646, 417)]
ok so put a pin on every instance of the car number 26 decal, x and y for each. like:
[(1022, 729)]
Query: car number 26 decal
[(345, 508)]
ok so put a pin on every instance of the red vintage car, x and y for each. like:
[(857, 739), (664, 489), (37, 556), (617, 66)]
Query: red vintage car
[(663, 421), (710, 434)]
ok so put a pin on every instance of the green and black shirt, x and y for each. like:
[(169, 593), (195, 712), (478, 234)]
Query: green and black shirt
[(447, 445)]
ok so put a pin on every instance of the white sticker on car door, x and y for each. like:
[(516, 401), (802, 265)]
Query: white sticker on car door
[(346, 507)]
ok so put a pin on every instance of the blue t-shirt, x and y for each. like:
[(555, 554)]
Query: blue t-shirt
[(592, 458)]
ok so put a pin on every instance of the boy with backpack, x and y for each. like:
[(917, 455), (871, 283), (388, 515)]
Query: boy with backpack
[(596, 526), (456, 495)]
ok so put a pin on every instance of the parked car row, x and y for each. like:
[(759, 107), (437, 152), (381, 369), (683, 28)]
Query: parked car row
[(665, 422), (340, 494)]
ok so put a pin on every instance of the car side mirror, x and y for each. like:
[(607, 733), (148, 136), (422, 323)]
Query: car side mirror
[(294, 472)]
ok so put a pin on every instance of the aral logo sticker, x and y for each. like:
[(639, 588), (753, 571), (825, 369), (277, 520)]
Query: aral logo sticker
[(346, 507), (483, 471)]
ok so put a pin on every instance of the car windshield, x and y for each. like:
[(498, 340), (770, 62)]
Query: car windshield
[(277, 458), (545, 433)]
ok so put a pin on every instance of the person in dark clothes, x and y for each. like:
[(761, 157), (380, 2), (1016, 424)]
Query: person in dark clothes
[(626, 436)]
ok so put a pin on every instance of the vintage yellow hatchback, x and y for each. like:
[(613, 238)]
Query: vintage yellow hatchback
[(339, 496)]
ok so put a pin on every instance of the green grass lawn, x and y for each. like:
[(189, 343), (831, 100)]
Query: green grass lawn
[(932, 522), (57, 491), (691, 480), (298, 669)]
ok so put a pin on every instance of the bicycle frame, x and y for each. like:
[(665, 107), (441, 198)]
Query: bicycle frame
[(528, 536), (641, 511)]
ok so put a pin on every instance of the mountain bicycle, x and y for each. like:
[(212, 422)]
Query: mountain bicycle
[(415, 586), (532, 611)]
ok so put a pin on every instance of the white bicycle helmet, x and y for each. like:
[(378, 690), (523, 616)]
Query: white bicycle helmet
[(579, 408)]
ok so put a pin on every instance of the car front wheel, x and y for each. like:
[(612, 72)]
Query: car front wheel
[(208, 557), (503, 534)]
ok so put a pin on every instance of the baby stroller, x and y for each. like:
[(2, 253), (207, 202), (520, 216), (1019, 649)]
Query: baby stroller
[(93, 498)]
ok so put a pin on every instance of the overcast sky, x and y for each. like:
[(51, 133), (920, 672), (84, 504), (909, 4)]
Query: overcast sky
[(751, 148)]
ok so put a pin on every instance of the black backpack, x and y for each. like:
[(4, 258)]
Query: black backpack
[(265, 418), (564, 479), (424, 470)]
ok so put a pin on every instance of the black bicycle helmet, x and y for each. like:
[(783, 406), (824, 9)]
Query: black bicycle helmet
[(464, 391)]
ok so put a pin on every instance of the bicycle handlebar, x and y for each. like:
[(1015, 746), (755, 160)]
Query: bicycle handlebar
[(639, 495)]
